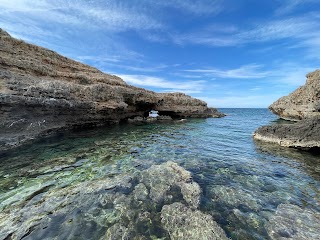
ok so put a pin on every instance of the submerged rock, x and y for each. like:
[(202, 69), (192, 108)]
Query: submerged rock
[(181, 222), (167, 180), (302, 105), (42, 92), (142, 205), (234, 197), (293, 222)]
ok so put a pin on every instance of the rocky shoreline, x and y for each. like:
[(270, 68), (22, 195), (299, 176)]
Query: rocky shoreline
[(42, 92), (301, 106)]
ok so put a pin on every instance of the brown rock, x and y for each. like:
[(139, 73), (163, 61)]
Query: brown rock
[(303, 135), (303, 102), (42, 91), (302, 105)]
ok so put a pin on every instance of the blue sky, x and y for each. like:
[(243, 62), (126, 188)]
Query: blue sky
[(230, 53)]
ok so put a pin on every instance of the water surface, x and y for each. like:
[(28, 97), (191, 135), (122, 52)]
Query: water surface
[(243, 181)]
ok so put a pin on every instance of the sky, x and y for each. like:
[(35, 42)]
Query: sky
[(229, 53)]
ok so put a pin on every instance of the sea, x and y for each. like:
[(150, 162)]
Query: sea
[(243, 181)]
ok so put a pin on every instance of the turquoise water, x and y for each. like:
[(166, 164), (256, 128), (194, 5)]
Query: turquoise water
[(243, 181)]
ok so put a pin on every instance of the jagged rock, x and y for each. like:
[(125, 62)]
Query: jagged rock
[(303, 102), (184, 223), (293, 222), (303, 105), (42, 91)]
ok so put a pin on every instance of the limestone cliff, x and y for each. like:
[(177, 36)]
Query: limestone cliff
[(42, 91), (303, 105)]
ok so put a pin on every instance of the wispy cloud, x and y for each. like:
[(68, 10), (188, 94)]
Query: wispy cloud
[(289, 73), (243, 72), (109, 15), (288, 6), (300, 32), (295, 28), (164, 84), (197, 7), (250, 101)]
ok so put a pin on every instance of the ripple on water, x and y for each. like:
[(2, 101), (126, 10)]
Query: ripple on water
[(243, 182)]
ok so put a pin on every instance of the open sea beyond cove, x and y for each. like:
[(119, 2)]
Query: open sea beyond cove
[(243, 182)]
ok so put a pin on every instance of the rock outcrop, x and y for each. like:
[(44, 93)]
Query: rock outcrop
[(157, 203), (303, 106), (302, 103), (42, 91), (304, 135)]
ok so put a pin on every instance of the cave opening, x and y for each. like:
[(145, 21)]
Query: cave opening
[(145, 108), (171, 114)]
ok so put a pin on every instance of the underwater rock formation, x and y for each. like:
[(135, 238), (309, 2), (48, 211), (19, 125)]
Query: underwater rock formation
[(159, 202), (42, 91), (182, 222), (303, 105), (293, 222)]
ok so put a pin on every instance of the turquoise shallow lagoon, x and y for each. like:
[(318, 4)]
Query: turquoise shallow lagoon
[(243, 182)]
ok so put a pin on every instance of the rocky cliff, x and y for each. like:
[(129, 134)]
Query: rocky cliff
[(303, 102), (303, 105), (42, 91)]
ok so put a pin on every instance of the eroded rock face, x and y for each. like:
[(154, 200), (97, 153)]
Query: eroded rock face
[(156, 203), (293, 222), (42, 91), (303, 105), (303, 102)]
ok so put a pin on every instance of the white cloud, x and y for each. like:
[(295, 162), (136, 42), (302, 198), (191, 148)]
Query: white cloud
[(165, 85), (243, 72), (296, 28), (290, 74), (288, 6), (252, 101), (302, 32), (197, 7), (109, 15)]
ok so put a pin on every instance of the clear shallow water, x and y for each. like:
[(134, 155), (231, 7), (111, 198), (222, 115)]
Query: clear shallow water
[(243, 181)]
